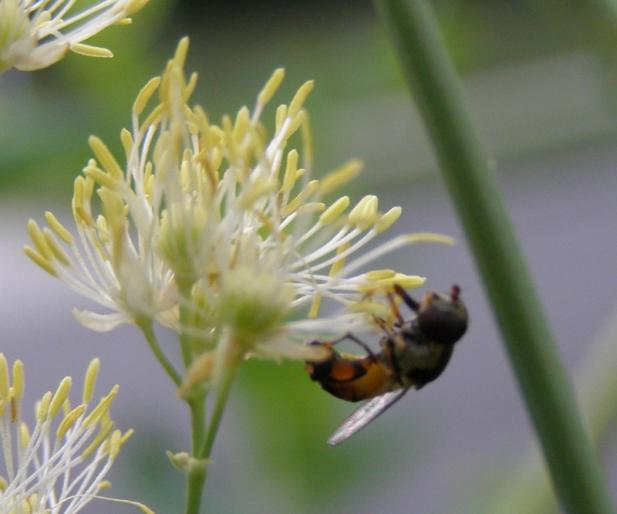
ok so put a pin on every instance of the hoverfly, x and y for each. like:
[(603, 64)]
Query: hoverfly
[(413, 353)]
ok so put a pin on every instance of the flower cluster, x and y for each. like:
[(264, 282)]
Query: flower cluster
[(217, 230), (35, 34), (60, 464)]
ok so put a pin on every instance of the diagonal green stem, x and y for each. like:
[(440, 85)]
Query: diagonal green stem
[(217, 412), (548, 394), (197, 474), (148, 332)]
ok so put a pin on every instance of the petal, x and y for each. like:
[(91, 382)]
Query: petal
[(100, 322)]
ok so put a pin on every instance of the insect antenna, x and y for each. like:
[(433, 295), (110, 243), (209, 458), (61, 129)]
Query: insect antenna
[(409, 301)]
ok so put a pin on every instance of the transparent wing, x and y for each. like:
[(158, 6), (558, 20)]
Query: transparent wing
[(364, 415)]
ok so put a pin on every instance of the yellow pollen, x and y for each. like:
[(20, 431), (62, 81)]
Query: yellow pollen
[(105, 157), (90, 380), (340, 176), (268, 91), (40, 261), (388, 219), (4, 378), (363, 215), (289, 179), (18, 380), (91, 51), (60, 396), (58, 228), (69, 420), (338, 265), (379, 274), (280, 117), (24, 436), (300, 97), (334, 211), (301, 198)]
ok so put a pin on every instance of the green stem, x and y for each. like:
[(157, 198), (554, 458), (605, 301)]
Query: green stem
[(185, 338), (148, 331), (197, 471), (217, 411), (197, 474), (548, 394), (198, 421), (194, 488)]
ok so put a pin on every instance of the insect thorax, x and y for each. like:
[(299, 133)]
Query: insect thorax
[(419, 359)]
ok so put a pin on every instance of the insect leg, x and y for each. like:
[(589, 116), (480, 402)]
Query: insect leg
[(409, 301), (395, 310), (391, 354), (359, 342)]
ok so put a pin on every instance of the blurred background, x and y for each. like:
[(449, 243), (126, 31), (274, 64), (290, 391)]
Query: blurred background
[(540, 77)]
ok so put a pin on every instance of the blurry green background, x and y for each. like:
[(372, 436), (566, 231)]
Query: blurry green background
[(540, 79)]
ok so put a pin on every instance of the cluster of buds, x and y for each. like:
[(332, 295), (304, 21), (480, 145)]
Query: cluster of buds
[(219, 231)]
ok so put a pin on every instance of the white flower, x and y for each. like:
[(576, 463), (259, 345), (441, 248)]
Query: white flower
[(60, 464), (219, 231), (35, 34)]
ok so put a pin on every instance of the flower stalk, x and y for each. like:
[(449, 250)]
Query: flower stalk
[(542, 378)]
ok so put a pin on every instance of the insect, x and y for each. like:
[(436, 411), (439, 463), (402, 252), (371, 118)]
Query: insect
[(413, 353)]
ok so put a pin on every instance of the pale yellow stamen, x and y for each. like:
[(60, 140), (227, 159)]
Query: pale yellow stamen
[(60, 396), (42, 409), (310, 189), (58, 228), (388, 219), (18, 380), (38, 239), (300, 97), (24, 436), (281, 115), (91, 51), (100, 438), (315, 304), (364, 214), (40, 261), (259, 189), (4, 378), (69, 420), (340, 176), (90, 378), (105, 157), (338, 265), (289, 179), (126, 139), (379, 274), (59, 254), (268, 91), (430, 237), (103, 406), (334, 211)]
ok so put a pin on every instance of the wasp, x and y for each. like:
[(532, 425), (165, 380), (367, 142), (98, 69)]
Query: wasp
[(413, 353)]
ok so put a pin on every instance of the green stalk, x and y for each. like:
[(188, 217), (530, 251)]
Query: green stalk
[(148, 332), (527, 489), (184, 289), (198, 472), (542, 379), (217, 412)]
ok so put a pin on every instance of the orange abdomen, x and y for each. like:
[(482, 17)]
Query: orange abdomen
[(352, 377)]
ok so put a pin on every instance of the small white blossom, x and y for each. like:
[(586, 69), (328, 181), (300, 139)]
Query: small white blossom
[(59, 465), (35, 34), (223, 224)]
